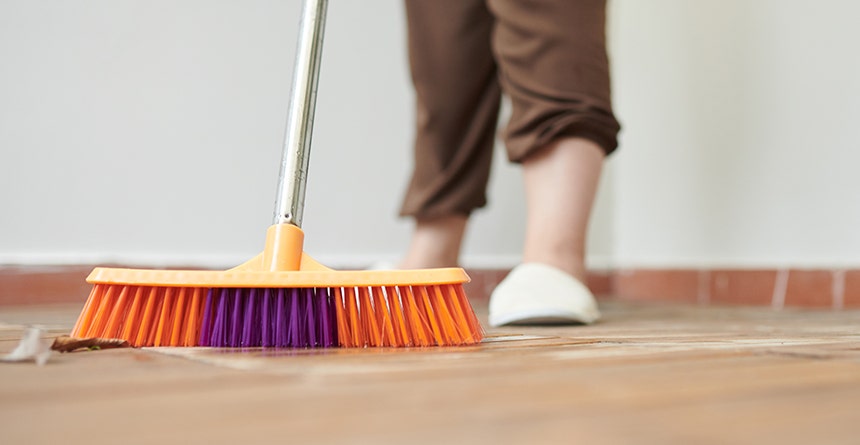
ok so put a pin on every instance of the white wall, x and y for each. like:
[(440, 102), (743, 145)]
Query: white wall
[(149, 132), (740, 144)]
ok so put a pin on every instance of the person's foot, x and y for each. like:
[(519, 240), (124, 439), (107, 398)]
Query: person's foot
[(536, 294)]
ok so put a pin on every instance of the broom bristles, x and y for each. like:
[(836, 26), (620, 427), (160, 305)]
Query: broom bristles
[(236, 317), (384, 316)]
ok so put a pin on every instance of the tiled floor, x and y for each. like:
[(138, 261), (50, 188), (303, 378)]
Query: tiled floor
[(647, 374)]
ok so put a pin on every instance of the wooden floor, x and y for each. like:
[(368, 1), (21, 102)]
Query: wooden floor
[(645, 374)]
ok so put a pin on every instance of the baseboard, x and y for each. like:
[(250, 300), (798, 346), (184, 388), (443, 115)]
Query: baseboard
[(776, 288)]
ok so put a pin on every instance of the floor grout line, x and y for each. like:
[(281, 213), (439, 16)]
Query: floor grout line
[(838, 289), (780, 288)]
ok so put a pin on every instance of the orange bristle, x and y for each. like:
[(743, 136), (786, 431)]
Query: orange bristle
[(132, 322), (398, 322)]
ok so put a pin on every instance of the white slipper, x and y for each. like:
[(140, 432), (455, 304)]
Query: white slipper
[(535, 293)]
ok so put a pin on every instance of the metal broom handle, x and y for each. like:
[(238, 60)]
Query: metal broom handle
[(293, 177)]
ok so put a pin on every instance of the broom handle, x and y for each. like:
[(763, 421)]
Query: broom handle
[(300, 118)]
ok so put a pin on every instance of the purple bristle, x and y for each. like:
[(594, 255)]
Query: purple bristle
[(294, 336), (294, 317), (309, 319), (235, 331), (281, 318), (266, 319), (251, 323), (331, 329), (219, 324), (325, 316), (206, 325), (319, 301)]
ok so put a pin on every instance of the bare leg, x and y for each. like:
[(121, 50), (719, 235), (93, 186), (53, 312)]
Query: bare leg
[(561, 181), (435, 243)]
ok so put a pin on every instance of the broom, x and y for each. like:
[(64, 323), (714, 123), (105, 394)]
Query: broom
[(283, 297)]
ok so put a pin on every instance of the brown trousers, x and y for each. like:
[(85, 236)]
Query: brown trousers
[(548, 56)]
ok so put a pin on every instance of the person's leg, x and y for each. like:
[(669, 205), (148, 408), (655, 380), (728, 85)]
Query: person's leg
[(457, 103), (560, 181), (553, 64)]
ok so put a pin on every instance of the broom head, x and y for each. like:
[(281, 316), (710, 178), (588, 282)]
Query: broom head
[(280, 298)]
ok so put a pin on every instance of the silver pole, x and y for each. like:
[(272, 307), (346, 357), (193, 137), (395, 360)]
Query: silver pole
[(290, 203)]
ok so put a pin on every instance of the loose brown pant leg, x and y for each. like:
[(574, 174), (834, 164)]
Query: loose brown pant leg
[(457, 99), (553, 65)]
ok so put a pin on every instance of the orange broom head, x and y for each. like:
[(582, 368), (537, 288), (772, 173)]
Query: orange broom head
[(280, 298)]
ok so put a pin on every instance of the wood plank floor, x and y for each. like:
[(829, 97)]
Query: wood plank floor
[(646, 374)]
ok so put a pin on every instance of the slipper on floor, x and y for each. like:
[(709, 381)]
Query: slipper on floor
[(535, 293)]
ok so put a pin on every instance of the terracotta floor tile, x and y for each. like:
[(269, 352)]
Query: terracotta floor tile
[(743, 287), (41, 285), (475, 288), (483, 282), (851, 297), (809, 288), (657, 285), (600, 283)]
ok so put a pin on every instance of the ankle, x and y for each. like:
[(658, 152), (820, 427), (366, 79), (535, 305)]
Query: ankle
[(428, 261), (571, 264), (435, 243), (425, 253)]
